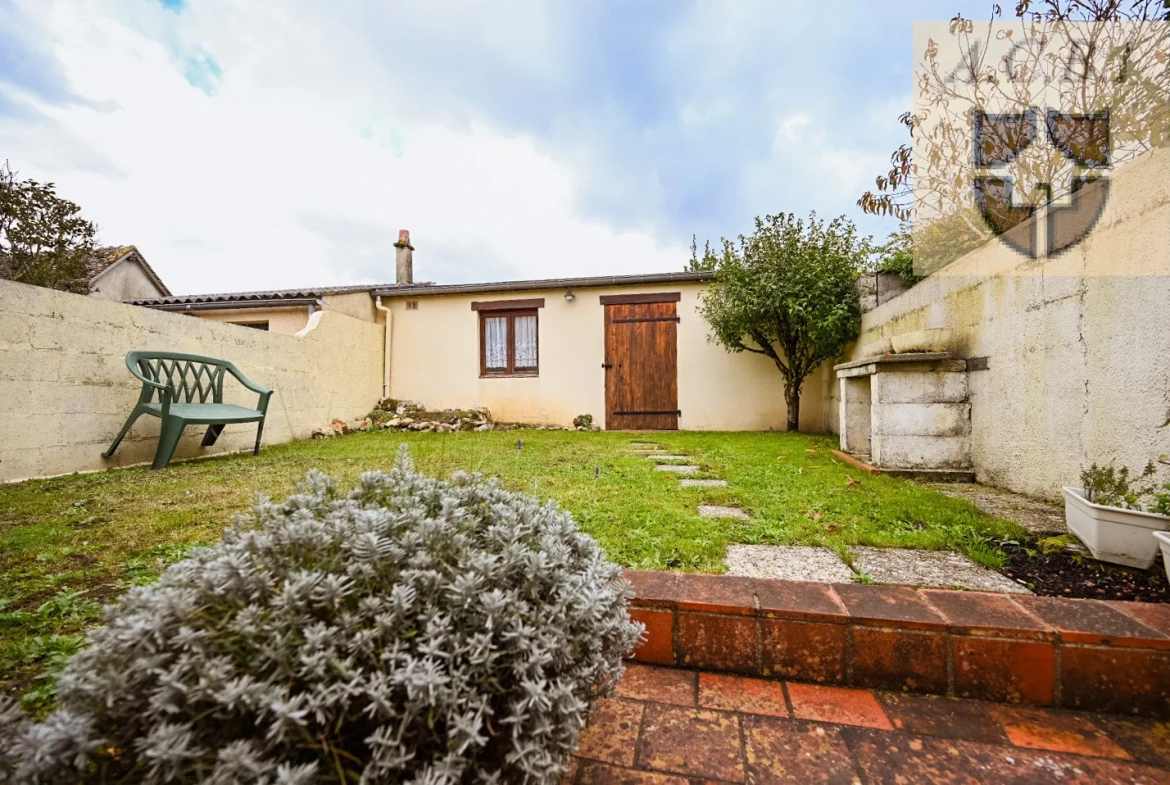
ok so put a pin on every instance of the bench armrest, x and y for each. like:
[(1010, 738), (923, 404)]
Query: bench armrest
[(164, 392), (263, 392)]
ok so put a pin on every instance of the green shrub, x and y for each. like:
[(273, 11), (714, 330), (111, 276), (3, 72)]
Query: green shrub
[(411, 630), (1114, 487)]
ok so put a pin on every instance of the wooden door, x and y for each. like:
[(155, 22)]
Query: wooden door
[(641, 358)]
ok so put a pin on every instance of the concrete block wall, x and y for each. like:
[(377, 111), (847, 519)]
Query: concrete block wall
[(1077, 347), (65, 389), (921, 420), (856, 425)]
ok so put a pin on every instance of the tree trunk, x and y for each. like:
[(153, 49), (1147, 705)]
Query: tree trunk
[(792, 399)]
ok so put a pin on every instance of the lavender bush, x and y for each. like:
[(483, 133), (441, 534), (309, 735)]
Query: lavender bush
[(412, 630)]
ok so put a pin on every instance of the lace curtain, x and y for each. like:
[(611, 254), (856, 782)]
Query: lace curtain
[(525, 342), (495, 336)]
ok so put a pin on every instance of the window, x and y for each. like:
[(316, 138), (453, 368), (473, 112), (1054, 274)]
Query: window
[(508, 343)]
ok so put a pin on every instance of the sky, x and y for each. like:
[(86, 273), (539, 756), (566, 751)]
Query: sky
[(284, 143)]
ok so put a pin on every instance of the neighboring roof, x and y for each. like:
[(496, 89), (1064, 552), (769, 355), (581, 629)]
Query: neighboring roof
[(261, 299), (105, 257), (415, 290), (277, 298)]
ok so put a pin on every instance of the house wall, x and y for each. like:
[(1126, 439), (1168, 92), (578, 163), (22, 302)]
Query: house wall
[(435, 360), (283, 321), (359, 305), (291, 320), (124, 280), (1077, 347), (66, 389)]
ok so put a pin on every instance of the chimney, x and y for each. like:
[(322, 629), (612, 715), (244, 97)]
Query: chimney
[(405, 258)]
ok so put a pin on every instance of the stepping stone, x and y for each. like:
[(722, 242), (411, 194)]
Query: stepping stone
[(643, 446), (668, 457), (939, 569), (788, 562), (1035, 516), (715, 511), (677, 468), (690, 482)]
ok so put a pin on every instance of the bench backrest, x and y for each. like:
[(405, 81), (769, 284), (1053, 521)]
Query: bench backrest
[(190, 377)]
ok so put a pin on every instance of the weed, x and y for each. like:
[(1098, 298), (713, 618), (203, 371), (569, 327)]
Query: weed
[(987, 555)]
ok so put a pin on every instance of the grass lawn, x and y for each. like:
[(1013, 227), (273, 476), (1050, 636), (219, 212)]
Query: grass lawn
[(71, 543)]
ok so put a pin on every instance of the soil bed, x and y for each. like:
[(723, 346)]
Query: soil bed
[(1065, 574)]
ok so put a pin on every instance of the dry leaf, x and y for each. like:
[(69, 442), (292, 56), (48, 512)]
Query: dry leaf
[(851, 481), (832, 527), (781, 457), (816, 516)]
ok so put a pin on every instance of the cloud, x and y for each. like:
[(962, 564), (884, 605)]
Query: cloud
[(27, 72), (259, 145)]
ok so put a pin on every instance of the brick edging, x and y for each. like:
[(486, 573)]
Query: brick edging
[(1083, 654)]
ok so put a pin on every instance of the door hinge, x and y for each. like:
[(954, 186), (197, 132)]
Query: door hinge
[(607, 366)]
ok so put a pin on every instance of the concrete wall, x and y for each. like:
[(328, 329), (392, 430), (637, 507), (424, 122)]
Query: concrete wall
[(435, 360), (1077, 347), (879, 287), (124, 280), (67, 391)]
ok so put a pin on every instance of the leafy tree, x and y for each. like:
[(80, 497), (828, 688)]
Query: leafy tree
[(788, 292), (44, 241), (708, 261), (896, 255)]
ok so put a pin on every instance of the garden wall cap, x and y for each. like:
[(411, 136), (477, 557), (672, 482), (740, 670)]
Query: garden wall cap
[(1044, 651)]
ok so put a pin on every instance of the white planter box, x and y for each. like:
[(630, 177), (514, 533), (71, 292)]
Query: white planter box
[(1113, 534), (1164, 539)]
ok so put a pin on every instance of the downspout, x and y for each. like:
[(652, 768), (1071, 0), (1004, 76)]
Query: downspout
[(385, 348)]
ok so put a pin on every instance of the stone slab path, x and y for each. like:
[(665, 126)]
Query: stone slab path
[(717, 511), (1034, 515), (940, 569), (889, 566), (788, 562), (677, 468), (893, 566), (670, 726)]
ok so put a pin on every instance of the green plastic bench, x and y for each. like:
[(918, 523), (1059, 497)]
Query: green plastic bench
[(176, 388)]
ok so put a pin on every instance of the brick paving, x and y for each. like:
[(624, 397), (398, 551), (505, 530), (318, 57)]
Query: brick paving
[(669, 726)]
